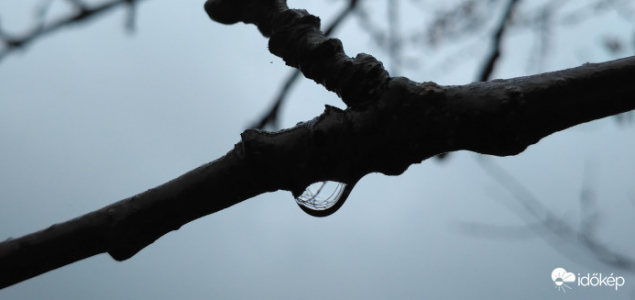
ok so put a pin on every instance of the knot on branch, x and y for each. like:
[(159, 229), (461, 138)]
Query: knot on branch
[(297, 38), (362, 82)]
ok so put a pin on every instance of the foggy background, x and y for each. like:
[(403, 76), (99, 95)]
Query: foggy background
[(92, 114)]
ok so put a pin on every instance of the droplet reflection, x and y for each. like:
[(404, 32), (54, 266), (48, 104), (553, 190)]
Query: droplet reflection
[(321, 195)]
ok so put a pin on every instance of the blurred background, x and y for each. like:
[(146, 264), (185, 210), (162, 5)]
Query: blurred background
[(119, 103)]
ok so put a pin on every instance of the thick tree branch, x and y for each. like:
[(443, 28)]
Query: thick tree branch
[(409, 123), (493, 56), (392, 123)]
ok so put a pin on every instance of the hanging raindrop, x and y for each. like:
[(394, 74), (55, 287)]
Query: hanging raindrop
[(323, 198)]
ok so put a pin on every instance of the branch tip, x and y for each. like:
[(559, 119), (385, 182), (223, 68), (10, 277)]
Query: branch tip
[(225, 12)]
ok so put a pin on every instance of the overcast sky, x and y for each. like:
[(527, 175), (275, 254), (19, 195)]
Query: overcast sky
[(91, 115)]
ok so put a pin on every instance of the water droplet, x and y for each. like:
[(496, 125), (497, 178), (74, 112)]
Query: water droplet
[(323, 198)]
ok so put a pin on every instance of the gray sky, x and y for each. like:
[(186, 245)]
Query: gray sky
[(92, 115)]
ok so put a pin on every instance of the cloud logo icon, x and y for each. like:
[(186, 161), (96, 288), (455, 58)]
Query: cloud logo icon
[(560, 276)]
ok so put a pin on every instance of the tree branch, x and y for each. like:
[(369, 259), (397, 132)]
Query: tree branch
[(295, 36), (549, 222), (82, 13), (490, 63), (391, 123), (271, 117)]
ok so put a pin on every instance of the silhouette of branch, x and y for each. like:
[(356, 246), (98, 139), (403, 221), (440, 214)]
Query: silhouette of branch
[(271, 117), (490, 62), (390, 124), (82, 13), (549, 222)]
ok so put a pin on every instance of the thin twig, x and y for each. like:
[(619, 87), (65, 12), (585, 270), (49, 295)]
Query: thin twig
[(494, 55), (552, 223), (82, 12)]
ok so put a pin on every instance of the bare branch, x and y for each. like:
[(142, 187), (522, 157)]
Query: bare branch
[(490, 62), (391, 123), (549, 222), (82, 12), (408, 123), (271, 117)]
